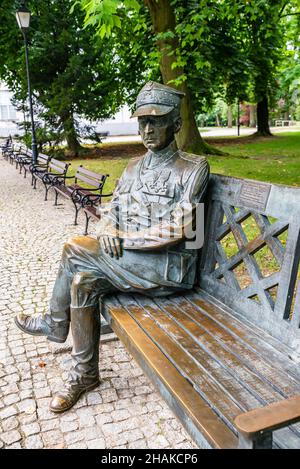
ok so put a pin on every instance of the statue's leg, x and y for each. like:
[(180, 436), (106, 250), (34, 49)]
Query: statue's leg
[(85, 324), (78, 254)]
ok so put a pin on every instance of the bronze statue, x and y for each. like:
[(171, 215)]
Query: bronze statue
[(132, 253)]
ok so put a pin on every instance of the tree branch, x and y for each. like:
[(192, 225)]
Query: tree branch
[(290, 14)]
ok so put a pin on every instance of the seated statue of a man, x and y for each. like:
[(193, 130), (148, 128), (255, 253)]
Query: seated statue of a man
[(132, 253)]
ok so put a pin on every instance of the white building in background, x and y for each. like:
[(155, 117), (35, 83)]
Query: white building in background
[(120, 124), (9, 116)]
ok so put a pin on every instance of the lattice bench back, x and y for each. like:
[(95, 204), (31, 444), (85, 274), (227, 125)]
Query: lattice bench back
[(250, 259)]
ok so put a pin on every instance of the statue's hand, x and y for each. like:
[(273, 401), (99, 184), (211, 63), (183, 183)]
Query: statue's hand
[(111, 246)]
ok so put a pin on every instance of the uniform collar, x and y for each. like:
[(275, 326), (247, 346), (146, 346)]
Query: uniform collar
[(155, 159)]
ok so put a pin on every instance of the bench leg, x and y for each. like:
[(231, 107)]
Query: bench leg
[(46, 192), (56, 197), (76, 212), (34, 183), (258, 441), (87, 220)]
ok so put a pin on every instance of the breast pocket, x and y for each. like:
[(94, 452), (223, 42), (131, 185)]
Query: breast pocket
[(180, 267)]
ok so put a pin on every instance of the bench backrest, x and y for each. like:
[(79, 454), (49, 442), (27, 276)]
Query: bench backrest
[(44, 159), (58, 167), (89, 177), (250, 259)]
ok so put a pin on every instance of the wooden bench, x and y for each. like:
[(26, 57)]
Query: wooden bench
[(6, 146), (82, 195), (23, 159), (51, 174), (13, 153), (226, 355), (42, 165)]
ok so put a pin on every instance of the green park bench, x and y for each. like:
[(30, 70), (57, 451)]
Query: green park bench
[(226, 356)]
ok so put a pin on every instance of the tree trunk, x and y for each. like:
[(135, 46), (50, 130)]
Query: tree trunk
[(263, 128), (163, 20), (70, 133), (229, 116), (252, 122)]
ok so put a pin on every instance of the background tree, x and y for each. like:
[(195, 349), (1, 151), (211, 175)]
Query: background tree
[(72, 74)]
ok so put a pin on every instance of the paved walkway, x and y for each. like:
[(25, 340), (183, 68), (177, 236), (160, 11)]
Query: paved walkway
[(125, 411)]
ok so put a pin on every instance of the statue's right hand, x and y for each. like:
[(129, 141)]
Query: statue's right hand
[(111, 246)]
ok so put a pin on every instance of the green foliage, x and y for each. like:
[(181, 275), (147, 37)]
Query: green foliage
[(225, 48), (73, 74)]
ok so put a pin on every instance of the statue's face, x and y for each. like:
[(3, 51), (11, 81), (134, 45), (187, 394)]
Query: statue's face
[(157, 132)]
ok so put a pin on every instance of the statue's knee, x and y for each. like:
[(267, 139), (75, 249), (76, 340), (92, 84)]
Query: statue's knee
[(73, 241), (79, 279)]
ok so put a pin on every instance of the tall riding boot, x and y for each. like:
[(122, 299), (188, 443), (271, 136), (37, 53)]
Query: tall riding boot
[(55, 324), (85, 326)]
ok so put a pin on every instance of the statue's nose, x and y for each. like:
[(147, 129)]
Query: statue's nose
[(148, 128)]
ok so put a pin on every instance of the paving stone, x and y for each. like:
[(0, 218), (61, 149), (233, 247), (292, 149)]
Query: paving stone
[(31, 429), (8, 412), (98, 443), (34, 442), (11, 437), (11, 399), (69, 426), (10, 424), (51, 438)]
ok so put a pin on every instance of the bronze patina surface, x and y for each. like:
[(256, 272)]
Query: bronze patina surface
[(141, 239)]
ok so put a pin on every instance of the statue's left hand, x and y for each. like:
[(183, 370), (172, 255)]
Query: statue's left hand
[(111, 246)]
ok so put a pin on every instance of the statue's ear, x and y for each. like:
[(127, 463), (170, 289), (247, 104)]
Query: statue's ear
[(177, 124)]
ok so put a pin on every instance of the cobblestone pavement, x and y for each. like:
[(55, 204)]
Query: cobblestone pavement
[(125, 411)]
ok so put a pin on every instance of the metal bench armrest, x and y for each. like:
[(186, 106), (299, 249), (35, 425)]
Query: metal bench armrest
[(256, 426)]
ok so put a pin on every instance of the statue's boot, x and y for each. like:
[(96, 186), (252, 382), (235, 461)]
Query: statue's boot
[(54, 325), (85, 325), (51, 325)]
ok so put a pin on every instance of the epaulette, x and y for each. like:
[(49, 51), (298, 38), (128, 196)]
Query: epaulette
[(196, 159)]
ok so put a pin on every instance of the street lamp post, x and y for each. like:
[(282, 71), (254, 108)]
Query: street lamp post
[(23, 18)]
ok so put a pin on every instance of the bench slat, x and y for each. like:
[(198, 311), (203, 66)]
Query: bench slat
[(197, 416), (56, 169), (274, 383), (91, 174), (240, 383), (91, 182), (216, 354), (200, 378), (264, 346), (57, 163)]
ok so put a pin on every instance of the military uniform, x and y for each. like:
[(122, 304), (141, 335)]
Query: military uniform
[(154, 261), (146, 215)]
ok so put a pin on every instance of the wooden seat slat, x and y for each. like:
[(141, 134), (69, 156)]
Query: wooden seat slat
[(221, 353), (247, 372), (197, 416), (256, 340), (213, 392), (204, 360), (175, 343), (229, 349)]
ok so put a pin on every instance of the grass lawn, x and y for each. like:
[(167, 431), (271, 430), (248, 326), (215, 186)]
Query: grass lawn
[(274, 159)]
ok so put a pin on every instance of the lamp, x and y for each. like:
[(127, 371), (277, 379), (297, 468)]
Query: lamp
[(23, 18)]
